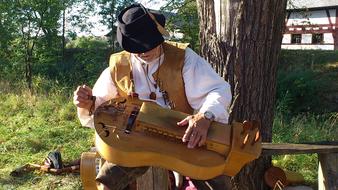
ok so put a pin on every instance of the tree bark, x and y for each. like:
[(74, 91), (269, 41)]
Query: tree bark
[(242, 39), (28, 57), (112, 35), (63, 31)]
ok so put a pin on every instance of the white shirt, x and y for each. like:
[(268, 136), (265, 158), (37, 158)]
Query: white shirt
[(204, 88)]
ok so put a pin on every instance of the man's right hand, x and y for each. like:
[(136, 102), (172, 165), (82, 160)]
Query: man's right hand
[(82, 97)]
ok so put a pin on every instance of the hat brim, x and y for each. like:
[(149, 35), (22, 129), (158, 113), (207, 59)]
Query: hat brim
[(141, 42)]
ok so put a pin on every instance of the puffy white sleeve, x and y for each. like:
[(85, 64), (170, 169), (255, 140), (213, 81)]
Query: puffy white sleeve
[(205, 89), (104, 89)]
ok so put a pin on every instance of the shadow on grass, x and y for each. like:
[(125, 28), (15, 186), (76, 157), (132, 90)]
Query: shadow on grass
[(40, 180), (22, 179)]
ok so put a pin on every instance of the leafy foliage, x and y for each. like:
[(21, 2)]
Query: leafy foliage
[(109, 11), (305, 85), (306, 80), (292, 59), (184, 19), (78, 13), (34, 124), (88, 43), (298, 91), (36, 27)]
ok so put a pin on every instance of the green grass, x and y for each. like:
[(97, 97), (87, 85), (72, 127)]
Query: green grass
[(32, 126), (303, 128), (306, 106)]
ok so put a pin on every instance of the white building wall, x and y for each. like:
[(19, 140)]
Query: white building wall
[(328, 38), (311, 17), (286, 39), (308, 46), (307, 38)]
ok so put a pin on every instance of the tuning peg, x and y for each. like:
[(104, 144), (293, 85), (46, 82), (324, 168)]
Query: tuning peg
[(245, 140), (257, 137), (247, 125)]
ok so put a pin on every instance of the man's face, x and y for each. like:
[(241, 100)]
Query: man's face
[(149, 55)]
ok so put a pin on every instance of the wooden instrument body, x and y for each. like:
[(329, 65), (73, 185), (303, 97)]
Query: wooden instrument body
[(155, 140)]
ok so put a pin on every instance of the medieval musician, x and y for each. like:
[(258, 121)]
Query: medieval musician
[(168, 73)]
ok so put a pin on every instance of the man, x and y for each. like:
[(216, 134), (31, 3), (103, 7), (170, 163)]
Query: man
[(170, 74)]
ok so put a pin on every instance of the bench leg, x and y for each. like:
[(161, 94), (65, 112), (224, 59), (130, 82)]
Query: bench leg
[(328, 171), (153, 179), (88, 170)]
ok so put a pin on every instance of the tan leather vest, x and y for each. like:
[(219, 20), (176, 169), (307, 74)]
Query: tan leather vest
[(170, 78)]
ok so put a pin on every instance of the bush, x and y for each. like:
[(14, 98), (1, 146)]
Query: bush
[(305, 58), (298, 91), (83, 66), (88, 43), (305, 83)]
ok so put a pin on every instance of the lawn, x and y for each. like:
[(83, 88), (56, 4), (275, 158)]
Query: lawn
[(31, 126)]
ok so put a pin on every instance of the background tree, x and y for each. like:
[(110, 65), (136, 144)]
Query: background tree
[(7, 24), (66, 5), (78, 17), (8, 28), (109, 10), (37, 23), (183, 18), (242, 40)]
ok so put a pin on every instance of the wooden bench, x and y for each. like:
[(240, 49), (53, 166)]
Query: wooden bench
[(327, 158), (157, 178), (153, 179)]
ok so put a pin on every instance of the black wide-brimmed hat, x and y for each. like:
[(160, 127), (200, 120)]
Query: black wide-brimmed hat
[(139, 29)]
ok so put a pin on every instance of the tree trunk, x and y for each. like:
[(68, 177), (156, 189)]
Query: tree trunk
[(112, 35), (63, 31), (28, 57), (28, 72), (242, 40)]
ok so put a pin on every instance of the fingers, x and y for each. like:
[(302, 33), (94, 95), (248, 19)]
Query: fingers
[(184, 122), (82, 97), (187, 134), (194, 139), (203, 140), (194, 136), (81, 94), (87, 88), (83, 90), (196, 132)]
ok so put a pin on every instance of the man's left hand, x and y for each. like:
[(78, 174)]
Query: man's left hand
[(196, 133)]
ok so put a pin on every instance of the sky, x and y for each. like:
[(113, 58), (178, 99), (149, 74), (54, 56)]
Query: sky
[(152, 4), (100, 30)]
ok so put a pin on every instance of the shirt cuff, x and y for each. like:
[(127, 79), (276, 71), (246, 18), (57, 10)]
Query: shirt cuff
[(85, 119), (217, 108)]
